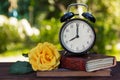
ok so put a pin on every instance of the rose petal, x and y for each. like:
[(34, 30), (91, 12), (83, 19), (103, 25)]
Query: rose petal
[(44, 57)]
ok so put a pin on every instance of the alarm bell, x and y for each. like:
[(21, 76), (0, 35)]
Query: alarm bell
[(89, 16), (69, 15)]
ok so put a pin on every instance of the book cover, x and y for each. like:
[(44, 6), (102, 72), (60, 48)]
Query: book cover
[(88, 62), (72, 73)]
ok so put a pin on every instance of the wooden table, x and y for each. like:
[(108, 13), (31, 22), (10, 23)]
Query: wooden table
[(4, 75)]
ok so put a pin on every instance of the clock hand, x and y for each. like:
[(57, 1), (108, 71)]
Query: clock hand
[(73, 38), (77, 36), (77, 31)]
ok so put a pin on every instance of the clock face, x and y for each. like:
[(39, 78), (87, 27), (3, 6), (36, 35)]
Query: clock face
[(77, 36)]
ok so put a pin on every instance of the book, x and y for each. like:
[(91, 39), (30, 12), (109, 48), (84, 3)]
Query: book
[(72, 73), (88, 62)]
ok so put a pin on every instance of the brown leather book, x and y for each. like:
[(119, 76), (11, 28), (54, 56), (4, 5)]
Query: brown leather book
[(72, 73), (88, 62)]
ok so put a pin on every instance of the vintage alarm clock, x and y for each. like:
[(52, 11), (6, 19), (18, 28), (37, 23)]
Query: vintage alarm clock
[(76, 34)]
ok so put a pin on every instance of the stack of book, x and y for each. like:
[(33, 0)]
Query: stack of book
[(82, 65), (89, 62)]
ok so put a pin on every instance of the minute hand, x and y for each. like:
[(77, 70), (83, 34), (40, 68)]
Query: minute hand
[(77, 31)]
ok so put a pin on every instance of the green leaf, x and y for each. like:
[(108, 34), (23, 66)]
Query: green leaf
[(20, 67)]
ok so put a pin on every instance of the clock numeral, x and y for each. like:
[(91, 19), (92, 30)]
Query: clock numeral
[(71, 26), (88, 30), (83, 25), (77, 24), (77, 48), (66, 42), (64, 36), (88, 42), (83, 46), (71, 45), (67, 30), (90, 36)]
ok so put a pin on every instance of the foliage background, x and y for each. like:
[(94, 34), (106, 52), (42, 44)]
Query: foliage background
[(44, 15)]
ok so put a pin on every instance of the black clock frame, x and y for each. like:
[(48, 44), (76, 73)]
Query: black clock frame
[(62, 43)]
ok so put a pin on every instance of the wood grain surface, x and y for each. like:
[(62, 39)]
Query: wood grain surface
[(5, 75)]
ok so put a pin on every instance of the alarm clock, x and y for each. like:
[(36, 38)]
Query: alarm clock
[(76, 34)]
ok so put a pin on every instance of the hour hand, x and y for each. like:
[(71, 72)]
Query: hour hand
[(73, 38)]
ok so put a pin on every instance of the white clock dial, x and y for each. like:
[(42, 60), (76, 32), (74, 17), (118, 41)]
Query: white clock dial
[(77, 36)]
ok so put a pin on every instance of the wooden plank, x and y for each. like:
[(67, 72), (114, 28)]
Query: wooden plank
[(69, 73)]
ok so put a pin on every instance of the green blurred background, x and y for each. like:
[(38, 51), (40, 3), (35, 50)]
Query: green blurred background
[(24, 23)]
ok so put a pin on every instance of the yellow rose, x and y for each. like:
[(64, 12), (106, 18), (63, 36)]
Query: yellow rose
[(44, 57)]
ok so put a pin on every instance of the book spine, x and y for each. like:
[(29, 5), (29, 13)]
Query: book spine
[(73, 63)]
